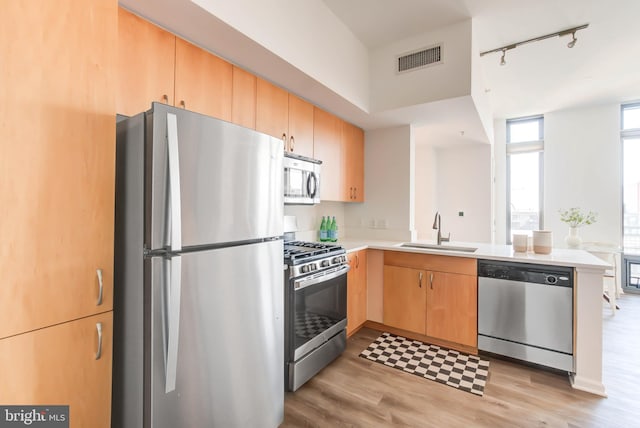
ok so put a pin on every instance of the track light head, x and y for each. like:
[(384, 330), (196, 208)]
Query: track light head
[(502, 61), (573, 41)]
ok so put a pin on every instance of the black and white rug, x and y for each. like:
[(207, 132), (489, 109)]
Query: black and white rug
[(465, 372)]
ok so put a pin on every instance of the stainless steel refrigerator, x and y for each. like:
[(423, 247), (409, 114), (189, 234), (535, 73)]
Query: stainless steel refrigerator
[(198, 295)]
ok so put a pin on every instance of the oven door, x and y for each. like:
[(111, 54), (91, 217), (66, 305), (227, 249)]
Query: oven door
[(317, 309)]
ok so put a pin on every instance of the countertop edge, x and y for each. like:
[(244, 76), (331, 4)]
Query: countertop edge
[(557, 257)]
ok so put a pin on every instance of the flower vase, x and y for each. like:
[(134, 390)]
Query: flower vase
[(573, 240)]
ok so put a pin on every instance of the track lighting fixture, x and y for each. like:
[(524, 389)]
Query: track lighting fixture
[(566, 32)]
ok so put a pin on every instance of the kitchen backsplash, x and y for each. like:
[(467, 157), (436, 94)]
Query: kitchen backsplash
[(309, 218)]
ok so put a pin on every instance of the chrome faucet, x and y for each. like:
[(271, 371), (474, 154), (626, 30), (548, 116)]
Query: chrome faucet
[(438, 226)]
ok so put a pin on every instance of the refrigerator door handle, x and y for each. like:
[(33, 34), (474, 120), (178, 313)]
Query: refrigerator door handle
[(172, 318), (174, 183)]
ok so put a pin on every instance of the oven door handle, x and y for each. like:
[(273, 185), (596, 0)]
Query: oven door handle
[(300, 284)]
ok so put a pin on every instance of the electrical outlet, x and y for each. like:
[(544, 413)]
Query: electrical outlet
[(460, 213)]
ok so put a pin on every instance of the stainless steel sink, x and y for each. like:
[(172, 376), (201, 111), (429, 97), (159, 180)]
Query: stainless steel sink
[(437, 247)]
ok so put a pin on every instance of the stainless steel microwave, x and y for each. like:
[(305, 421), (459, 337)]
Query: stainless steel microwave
[(301, 180)]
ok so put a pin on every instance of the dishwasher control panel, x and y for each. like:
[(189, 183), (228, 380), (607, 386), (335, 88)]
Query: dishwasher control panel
[(526, 272)]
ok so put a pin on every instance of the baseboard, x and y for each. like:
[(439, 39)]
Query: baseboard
[(421, 337), (582, 384)]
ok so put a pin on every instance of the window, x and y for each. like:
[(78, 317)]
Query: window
[(631, 176), (630, 137), (525, 146)]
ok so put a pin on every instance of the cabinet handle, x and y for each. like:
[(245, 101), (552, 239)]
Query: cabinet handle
[(99, 329), (357, 262), (431, 280), (100, 286), (420, 279), (284, 141), (292, 143), (183, 104), (165, 98), (355, 193)]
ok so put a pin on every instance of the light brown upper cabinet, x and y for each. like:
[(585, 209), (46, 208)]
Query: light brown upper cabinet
[(203, 81), (243, 98), (57, 213), (146, 60), (353, 162), (272, 109), (283, 115), (300, 137), (327, 147)]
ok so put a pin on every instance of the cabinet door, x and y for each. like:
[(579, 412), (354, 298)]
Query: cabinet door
[(356, 291), (57, 141), (203, 81), (146, 57), (300, 126), (243, 98), (58, 366), (272, 110), (353, 162), (327, 147), (452, 309), (404, 298)]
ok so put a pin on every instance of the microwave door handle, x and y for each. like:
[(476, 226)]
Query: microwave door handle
[(312, 176)]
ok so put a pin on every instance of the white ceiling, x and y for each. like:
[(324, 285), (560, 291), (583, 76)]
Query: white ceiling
[(604, 65), (540, 77)]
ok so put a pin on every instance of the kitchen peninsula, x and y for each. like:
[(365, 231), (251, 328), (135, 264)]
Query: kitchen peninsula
[(587, 292)]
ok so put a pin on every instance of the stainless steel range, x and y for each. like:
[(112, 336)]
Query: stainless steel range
[(315, 308)]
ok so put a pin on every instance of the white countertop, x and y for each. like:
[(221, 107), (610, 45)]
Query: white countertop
[(558, 256)]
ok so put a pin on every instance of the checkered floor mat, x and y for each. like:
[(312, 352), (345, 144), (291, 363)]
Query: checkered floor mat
[(465, 372), (308, 324)]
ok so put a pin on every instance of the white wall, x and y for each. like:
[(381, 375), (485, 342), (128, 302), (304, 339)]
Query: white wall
[(388, 210), (464, 184), (500, 182), (309, 218), (451, 79), (479, 93), (307, 35), (581, 168), (425, 196)]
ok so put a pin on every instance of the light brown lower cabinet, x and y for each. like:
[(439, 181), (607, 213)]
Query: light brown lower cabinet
[(452, 308), (356, 291), (434, 296), (65, 364), (404, 298)]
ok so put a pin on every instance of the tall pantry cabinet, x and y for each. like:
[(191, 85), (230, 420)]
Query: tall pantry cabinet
[(57, 139)]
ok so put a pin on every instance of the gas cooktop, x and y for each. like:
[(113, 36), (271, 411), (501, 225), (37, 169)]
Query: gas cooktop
[(296, 252)]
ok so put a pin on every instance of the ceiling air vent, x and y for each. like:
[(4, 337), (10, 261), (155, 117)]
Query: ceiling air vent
[(420, 58)]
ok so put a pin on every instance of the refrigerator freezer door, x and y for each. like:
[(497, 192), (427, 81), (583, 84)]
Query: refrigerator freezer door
[(230, 361), (230, 181)]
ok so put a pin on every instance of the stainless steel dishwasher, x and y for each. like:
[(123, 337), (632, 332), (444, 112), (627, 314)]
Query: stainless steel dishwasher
[(525, 311)]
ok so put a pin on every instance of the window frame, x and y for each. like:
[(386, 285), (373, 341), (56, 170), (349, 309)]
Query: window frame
[(520, 148)]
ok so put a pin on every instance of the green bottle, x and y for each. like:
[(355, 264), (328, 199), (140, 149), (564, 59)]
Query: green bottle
[(333, 230), (323, 230)]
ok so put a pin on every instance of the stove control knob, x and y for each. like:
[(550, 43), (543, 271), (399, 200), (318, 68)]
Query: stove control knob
[(336, 260), (304, 269), (313, 266), (325, 263)]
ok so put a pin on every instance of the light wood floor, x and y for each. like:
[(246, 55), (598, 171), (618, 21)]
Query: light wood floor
[(355, 392)]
